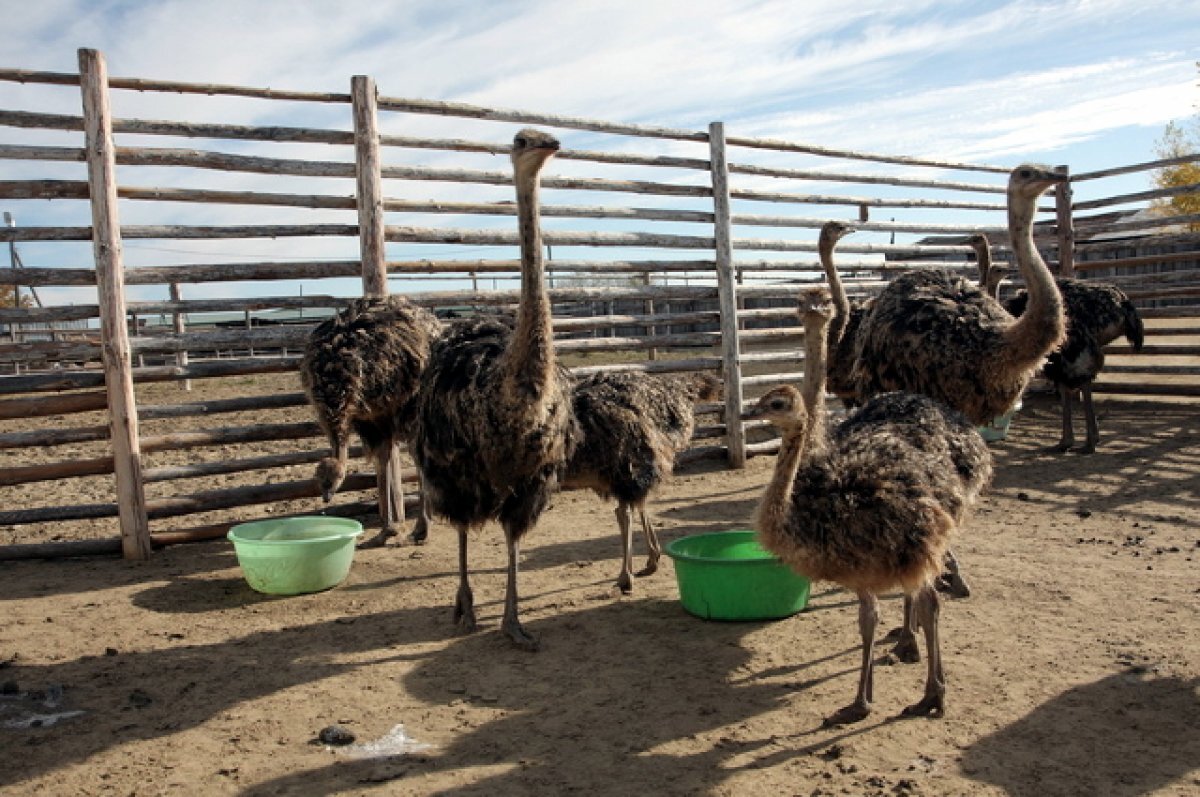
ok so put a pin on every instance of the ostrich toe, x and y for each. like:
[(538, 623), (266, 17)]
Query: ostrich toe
[(650, 569), (857, 711), (521, 638), (379, 540), (932, 705), (906, 649)]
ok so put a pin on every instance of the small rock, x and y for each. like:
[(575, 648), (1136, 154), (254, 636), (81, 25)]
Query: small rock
[(335, 735), (1083, 513), (1022, 496), (110, 651)]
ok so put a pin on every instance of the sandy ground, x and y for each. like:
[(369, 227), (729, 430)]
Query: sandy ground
[(1073, 669)]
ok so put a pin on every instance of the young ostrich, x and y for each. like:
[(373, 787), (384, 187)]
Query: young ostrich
[(990, 276), (933, 333), (632, 427), (494, 427), (846, 320), (872, 507), (360, 370), (1097, 314)]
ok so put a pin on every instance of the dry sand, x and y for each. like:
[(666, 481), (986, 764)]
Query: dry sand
[(1073, 669)]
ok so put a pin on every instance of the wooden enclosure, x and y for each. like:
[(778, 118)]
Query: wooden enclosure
[(158, 261)]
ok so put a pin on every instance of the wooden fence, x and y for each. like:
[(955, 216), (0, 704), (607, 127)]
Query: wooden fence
[(693, 277)]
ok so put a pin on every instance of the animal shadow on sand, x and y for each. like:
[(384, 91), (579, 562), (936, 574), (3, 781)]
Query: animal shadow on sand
[(611, 733), (1133, 733)]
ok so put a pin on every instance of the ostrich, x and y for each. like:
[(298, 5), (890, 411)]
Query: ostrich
[(632, 427), (360, 370), (1097, 314), (873, 506), (990, 275), (939, 335), (846, 321), (494, 427)]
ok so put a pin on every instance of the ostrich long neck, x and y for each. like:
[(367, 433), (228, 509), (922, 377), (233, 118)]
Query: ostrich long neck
[(801, 442), (841, 304), (983, 257), (816, 340), (530, 356), (1041, 327)]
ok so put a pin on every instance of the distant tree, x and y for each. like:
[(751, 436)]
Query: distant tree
[(7, 297), (1179, 140)]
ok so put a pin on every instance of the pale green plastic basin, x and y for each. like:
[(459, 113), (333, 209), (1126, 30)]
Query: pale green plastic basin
[(727, 575), (291, 556), (998, 429)]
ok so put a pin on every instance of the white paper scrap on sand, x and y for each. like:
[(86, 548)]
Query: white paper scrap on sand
[(393, 743)]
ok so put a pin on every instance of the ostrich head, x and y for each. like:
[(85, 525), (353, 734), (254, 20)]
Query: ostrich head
[(783, 407), (330, 474), (832, 232), (815, 307), (1029, 181), (531, 149)]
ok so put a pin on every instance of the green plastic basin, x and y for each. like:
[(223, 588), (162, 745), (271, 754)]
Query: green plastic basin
[(728, 576), (997, 430), (290, 556)]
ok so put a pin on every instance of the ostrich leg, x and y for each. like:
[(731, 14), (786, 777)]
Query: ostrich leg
[(933, 704), (906, 649), (652, 545), (1066, 397), (868, 619), (464, 602), (511, 624), (1089, 414), (625, 578), (420, 532), (388, 495)]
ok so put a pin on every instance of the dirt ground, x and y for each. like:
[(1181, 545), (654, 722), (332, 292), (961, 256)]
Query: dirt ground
[(1073, 669)]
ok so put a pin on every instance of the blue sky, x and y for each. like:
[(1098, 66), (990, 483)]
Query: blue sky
[(1088, 83)]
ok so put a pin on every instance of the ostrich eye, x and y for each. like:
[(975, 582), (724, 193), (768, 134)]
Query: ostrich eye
[(519, 141), (1024, 174)]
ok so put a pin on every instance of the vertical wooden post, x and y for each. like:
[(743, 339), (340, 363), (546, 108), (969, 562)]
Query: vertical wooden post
[(371, 238), (110, 285), (369, 185), (180, 326), (1065, 221), (735, 434), (648, 309)]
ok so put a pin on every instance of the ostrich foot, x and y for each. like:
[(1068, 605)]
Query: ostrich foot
[(380, 540), (929, 706), (464, 612), (625, 584), (855, 712), (1086, 448), (520, 637), (650, 569), (953, 584), (906, 648), (420, 533)]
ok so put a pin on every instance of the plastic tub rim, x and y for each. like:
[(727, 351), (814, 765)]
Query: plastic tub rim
[(350, 532), (669, 550)]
